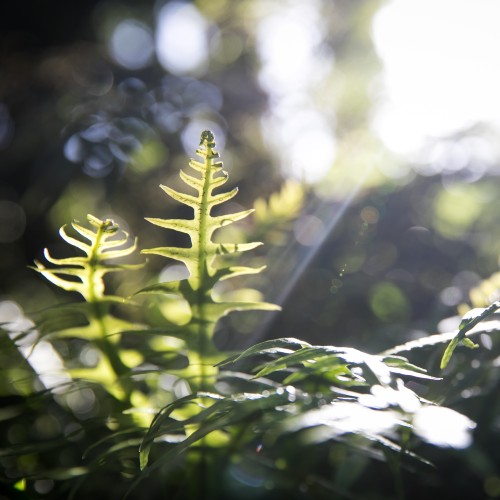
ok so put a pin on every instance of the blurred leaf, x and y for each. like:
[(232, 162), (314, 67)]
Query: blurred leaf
[(469, 321)]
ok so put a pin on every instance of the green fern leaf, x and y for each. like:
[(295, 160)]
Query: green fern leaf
[(469, 321), (101, 243), (202, 258), (90, 269)]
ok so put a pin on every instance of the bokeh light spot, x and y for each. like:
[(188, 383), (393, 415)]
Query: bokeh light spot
[(308, 230), (227, 48), (451, 296), (370, 215), (83, 402), (132, 45), (150, 155), (99, 163), (388, 302), (43, 486), (492, 486), (73, 149), (455, 210), (182, 39)]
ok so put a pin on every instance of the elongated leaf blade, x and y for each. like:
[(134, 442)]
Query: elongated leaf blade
[(187, 226), (268, 347), (186, 199)]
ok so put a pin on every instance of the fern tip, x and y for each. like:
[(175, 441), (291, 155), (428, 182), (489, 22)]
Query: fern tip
[(207, 137)]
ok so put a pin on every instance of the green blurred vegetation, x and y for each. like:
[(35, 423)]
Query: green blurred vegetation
[(373, 251)]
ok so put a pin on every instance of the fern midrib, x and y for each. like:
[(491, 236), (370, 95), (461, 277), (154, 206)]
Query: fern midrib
[(203, 241), (202, 263), (93, 262), (99, 312)]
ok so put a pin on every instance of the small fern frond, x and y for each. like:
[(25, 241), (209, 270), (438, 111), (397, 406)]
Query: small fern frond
[(92, 321), (274, 216), (88, 271)]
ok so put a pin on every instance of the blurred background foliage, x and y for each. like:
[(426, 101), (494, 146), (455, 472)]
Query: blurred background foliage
[(367, 244)]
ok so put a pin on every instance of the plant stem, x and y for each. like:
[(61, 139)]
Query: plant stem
[(99, 313), (203, 243)]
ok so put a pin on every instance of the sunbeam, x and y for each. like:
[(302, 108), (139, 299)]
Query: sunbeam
[(305, 256)]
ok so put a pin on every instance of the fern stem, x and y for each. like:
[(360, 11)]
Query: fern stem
[(100, 312), (203, 333)]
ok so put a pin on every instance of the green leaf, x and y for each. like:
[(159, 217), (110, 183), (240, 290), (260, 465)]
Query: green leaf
[(449, 352), (468, 343), (163, 416), (169, 287), (283, 345), (302, 355), (185, 226), (233, 271), (469, 321), (176, 253), (186, 199)]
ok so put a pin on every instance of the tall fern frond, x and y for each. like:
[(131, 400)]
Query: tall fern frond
[(205, 259)]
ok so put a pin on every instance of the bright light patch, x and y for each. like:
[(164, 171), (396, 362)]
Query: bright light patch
[(42, 357), (307, 143), (440, 72), (131, 44), (48, 364), (443, 427), (175, 272), (285, 42), (347, 417), (292, 64), (182, 39), (312, 153)]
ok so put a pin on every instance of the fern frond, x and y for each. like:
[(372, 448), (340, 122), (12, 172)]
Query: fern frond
[(201, 258), (274, 216), (100, 243), (90, 269)]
